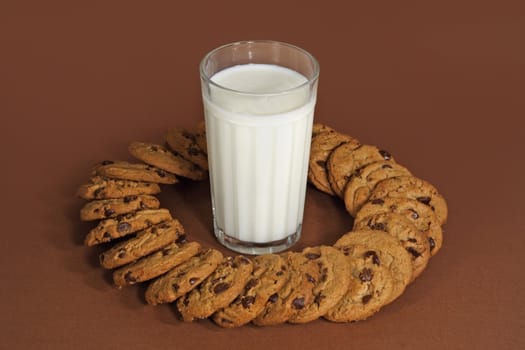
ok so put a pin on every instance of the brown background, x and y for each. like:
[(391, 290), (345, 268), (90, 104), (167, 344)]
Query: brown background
[(440, 86)]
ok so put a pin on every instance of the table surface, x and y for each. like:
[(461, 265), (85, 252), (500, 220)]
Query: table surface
[(441, 86)]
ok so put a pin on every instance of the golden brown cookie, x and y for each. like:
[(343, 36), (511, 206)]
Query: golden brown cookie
[(145, 242), (270, 273), (329, 288), (104, 188), (184, 143), (109, 208), (402, 228), (155, 264), (322, 145), (295, 295), (183, 278), (420, 214), (413, 188), (363, 180), (370, 287), (124, 225), (386, 250), (135, 172), (163, 158), (218, 290), (345, 159)]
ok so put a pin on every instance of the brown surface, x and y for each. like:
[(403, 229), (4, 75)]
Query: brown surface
[(441, 87)]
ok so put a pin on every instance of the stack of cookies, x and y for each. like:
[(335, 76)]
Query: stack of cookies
[(397, 228)]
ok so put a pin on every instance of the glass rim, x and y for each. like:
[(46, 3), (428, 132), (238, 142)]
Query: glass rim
[(308, 81)]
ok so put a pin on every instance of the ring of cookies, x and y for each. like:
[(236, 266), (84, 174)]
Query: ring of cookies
[(397, 229)]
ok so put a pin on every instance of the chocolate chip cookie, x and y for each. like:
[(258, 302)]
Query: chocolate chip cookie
[(135, 172), (124, 225), (420, 214), (413, 188), (386, 250), (345, 159), (104, 188), (370, 288), (296, 294), (110, 208), (270, 273), (183, 278), (402, 228), (322, 145), (218, 290), (363, 181), (162, 158), (145, 242), (329, 288), (155, 264), (184, 143)]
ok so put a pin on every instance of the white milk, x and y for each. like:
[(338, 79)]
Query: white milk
[(258, 149)]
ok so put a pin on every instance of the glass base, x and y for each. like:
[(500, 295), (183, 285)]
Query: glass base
[(253, 248)]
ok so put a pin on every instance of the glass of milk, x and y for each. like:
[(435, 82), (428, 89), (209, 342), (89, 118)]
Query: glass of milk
[(259, 99)]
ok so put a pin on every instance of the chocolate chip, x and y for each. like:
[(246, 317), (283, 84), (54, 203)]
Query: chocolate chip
[(98, 193), (309, 278), (193, 280), (221, 287), (108, 212), (378, 226), (175, 287), (273, 298), (312, 256), (378, 201), (366, 275), (188, 135), (425, 200), (385, 154), (181, 239), (247, 301), (165, 251), (321, 163), (318, 298), (128, 277), (412, 240), (161, 173), (365, 299), (193, 151), (347, 251), (121, 253), (432, 243), (123, 227), (251, 283), (413, 251), (279, 273), (323, 277), (414, 214), (375, 258), (298, 303), (128, 199), (154, 148)]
